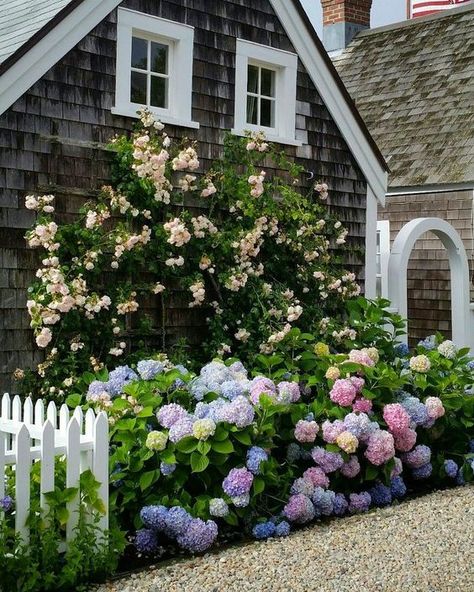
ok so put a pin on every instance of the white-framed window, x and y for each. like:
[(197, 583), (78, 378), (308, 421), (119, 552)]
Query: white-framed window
[(265, 91), (154, 67), (382, 257)]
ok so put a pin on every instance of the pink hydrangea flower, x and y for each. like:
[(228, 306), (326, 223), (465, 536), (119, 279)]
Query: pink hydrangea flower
[(381, 447), (361, 357), (351, 468), (362, 405), (396, 418), (358, 383), (435, 407), (343, 392), (306, 431), (317, 477), (331, 430), (288, 392), (404, 441), (261, 385)]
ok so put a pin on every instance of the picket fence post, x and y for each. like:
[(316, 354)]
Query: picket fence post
[(39, 433)]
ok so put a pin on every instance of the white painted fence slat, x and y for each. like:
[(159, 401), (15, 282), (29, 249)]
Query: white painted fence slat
[(79, 415), (101, 463), (22, 482), (52, 414), (47, 464), (39, 412), (63, 417), (16, 408), (28, 411), (3, 438), (6, 406), (72, 474)]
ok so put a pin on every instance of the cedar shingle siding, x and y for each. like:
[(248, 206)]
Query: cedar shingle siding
[(52, 140)]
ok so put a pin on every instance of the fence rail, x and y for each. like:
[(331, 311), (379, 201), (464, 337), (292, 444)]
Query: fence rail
[(31, 433)]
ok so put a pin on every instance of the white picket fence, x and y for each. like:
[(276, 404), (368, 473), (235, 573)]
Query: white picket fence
[(31, 433)]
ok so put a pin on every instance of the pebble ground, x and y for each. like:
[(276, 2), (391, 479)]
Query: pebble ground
[(422, 545)]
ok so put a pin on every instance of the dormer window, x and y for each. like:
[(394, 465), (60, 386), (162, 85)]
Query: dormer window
[(265, 91), (154, 67)]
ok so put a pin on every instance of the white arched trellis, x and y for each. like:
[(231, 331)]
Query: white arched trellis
[(460, 285)]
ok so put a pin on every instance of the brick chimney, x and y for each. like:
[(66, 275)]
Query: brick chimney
[(342, 20)]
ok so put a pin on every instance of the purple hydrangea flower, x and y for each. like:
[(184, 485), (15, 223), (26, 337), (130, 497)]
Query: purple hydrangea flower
[(340, 504), (154, 517), (422, 472), (255, 456), (351, 468), (359, 502), (198, 536), (6, 504), (176, 521), (451, 468), (460, 478), (148, 369), (238, 482), (119, 378), (299, 509), (282, 529), (167, 468), (416, 410), (359, 425), (170, 414), (288, 392), (238, 412), (232, 389), (398, 488), (381, 495), (180, 429), (263, 530), (328, 461), (146, 541), (303, 486), (323, 501), (419, 456), (97, 387)]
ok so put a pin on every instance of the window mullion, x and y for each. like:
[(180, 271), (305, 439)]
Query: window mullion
[(148, 76)]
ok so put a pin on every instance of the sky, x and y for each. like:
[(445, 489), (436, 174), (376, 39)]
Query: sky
[(383, 12)]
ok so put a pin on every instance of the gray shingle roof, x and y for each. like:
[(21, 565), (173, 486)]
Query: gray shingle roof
[(21, 19), (414, 87)]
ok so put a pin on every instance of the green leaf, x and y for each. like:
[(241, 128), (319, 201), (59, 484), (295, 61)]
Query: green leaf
[(258, 485), (62, 515), (187, 445), (146, 479), (203, 447), (332, 448), (199, 463), (243, 438), (371, 473), (168, 457), (146, 412), (225, 447), (73, 401)]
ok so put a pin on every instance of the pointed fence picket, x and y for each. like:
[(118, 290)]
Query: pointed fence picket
[(30, 433)]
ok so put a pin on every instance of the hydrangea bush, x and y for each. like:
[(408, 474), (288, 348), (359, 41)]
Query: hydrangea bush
[(226, 238), (315, 433)]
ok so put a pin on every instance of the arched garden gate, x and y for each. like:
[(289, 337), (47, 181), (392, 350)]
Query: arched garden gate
[(461, 311)]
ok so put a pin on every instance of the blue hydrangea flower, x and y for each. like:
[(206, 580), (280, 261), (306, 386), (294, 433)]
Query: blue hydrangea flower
[(97, 387), (154, 517), (198, 535), (460, 478), (402, 350), (451, 468), (416, 410), (293, 452), (381, 495), (146, 541), (428, 343), (231, 389), (148, 369), (6, 504), (323, 501), (167, 468), (282, 529), (470, 365), (118, 378), (340, 504), (176, 521), (263, 530), (255, 456), (398, 487), (309, 417), (423, 472), (471, 445), (198, 388)]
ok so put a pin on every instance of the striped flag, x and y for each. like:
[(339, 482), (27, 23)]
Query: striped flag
[(424, 7)]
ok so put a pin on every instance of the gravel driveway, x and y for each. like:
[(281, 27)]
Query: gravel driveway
[(422, 545)]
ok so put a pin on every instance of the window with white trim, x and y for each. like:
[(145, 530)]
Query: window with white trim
[(154, 67), (265, 91), (382, 256)]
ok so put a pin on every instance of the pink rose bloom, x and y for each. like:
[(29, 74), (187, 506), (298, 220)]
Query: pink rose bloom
[(404, 441), (317, 477), (351, 468), (435, 407), (396, 418), (331, 430), (343, 392), (306, 431), (358, 383), (261, 385), (362, 405), (361, 357), (381, 448)]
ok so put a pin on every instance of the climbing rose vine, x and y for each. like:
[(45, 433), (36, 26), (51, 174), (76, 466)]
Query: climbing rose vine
[(240, 241)]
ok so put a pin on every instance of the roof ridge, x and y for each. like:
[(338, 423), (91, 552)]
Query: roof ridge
[(452, 12)]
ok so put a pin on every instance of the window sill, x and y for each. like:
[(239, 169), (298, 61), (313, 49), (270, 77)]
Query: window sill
[(270, 138), (129, 111)]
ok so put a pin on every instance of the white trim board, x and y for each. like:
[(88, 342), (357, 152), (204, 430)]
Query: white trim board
[(55, 44), (326, 85), (51, 48)]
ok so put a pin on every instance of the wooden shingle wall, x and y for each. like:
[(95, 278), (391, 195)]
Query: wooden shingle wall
[(429, 285), (52, 140)]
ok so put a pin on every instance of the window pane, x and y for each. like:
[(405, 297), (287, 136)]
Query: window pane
[(138, 88), (139, 53), (252, 110), (267, 86), (159, 92), (159, 58), (252, 79), (267, 112)]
